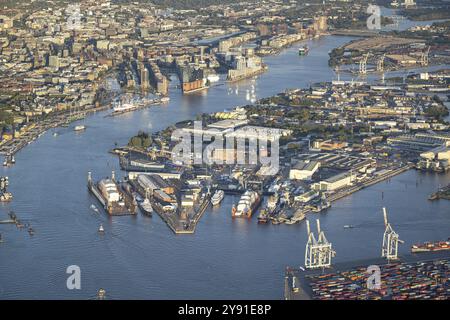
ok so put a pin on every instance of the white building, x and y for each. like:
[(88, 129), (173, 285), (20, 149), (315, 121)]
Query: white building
[(304, 170)]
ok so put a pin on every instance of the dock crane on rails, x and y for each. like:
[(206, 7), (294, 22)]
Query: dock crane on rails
[(319, 252), (363, 64), (380, 63), (391, 240), (424, 59)]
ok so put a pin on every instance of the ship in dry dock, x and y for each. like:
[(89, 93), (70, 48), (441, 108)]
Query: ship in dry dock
[(113, 196), (247, 205)]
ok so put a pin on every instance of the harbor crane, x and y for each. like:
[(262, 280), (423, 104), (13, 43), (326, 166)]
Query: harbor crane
[(363, 64), (390, 240), (319, 252), (380, 63), (424, 60)]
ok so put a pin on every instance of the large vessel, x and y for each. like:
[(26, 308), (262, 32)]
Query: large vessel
[(217, 197), (123, 107), (146, 207), (431, 246), (113, 198), (247, 205), (303, 51)]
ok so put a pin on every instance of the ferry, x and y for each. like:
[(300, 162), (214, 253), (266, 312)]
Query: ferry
[(146, 207), (431, 246), (217, 197), (303, 51), (79, 128), (247, 205)]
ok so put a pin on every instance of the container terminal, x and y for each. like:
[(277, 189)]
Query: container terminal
[(423, 275)]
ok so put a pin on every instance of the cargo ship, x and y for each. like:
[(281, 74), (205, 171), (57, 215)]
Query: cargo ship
[(303, 51), (431, 246), (217, 197), (247, 205)]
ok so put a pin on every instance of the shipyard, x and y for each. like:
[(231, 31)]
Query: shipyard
[(190, 144)]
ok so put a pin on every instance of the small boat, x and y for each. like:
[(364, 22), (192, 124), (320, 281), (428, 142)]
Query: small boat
[(80, 128), (263, 216), (165, 99), (348, 226), (93, 207), (146, 207), (303, 51), (101, 229), (101, 294), (217, 197), (31, 231), (55, 134)]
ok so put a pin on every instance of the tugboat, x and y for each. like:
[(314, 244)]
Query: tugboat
[(217, 197), (146, 207), (101, 294), (263, 216), (303, 51)]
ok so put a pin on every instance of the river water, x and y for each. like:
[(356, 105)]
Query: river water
[(139, 257)]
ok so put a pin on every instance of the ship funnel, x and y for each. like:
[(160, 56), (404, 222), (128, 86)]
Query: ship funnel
[(385, 217), (318, 226)]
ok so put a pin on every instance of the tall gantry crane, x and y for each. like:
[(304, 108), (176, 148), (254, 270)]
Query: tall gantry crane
[(424, 60), (390, 240), (363, 64), (319, 252), (380, 63)]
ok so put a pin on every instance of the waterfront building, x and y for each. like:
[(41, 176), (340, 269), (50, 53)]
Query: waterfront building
[(303, 170), (335, 182)]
